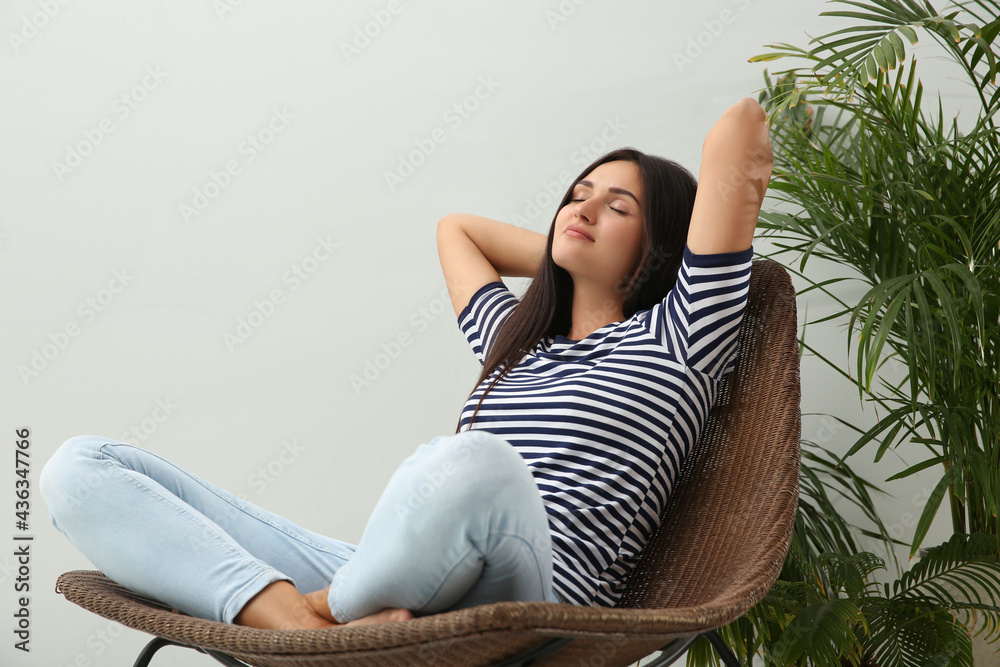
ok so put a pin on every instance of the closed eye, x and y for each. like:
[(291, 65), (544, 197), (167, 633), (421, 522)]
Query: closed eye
[(616, 210)]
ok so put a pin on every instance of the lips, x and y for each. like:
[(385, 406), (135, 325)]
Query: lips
[(578, 232)]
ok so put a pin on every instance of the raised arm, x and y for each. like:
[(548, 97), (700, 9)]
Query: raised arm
[(475, 251), (735, 170)]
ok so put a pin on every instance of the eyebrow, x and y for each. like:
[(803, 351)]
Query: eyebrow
[(616, 190)]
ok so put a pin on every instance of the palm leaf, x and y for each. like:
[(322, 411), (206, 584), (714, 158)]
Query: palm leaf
[(962, 574), (824, 631), (871, 176), (907, 633)]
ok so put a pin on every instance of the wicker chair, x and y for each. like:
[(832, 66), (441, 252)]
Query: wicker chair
[(721, 545)]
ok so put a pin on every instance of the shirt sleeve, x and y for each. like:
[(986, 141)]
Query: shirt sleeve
[(699, 319), (482, 319)]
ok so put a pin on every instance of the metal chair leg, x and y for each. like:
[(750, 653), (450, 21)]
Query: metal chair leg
[(726, 653), (159, 642), (672, 651), (220, 657), (147, 652), (676, 648)]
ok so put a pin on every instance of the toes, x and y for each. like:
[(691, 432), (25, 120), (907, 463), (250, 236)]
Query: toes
[(384, 616)]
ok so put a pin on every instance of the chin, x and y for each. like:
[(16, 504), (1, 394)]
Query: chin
[(564, 260)]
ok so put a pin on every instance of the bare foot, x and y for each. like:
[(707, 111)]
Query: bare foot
[(384, 616), (319, 602), (280, 606)]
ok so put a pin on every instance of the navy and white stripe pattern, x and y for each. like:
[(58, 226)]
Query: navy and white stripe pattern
[(604, 423)]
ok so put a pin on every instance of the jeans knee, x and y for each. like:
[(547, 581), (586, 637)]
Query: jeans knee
[(478, 463), (68, 478)]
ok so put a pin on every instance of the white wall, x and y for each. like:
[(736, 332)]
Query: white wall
[(116, 114)]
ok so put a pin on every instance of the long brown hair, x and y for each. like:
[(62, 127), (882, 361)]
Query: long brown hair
[(545, 310)]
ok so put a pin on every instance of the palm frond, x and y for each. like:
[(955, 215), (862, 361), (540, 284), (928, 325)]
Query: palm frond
[(844, 61), (907, 633), (823, 631), (870, 173), (963, 574)]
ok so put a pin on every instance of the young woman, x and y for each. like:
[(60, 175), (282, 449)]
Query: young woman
[(594, 388)]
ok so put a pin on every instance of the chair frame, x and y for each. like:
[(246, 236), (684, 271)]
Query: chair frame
[(668, 654), (720, 546)]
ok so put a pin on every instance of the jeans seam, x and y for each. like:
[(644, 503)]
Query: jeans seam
[(338, 611), (283, 529), (445, 577), (181, 510), (516, 536), (228, 501), (422, 603)]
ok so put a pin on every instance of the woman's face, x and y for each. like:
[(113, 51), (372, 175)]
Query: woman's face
[(598, 234)]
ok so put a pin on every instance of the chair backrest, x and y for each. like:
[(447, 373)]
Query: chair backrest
[(726, 527)]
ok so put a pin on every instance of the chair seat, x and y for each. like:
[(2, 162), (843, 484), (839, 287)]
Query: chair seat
[(483, 635)]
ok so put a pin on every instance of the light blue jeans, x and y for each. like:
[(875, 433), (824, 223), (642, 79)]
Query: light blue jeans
[(460, 523)]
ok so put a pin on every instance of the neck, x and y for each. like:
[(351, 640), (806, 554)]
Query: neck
[(594, 306)]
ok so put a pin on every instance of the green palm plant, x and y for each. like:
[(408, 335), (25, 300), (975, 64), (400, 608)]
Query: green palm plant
[(828, 609), (911, 202), (870, 175)]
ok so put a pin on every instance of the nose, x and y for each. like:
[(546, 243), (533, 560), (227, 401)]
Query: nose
[(583, 211)]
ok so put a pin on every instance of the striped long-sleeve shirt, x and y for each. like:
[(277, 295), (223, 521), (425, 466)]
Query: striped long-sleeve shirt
[(605, 422)]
